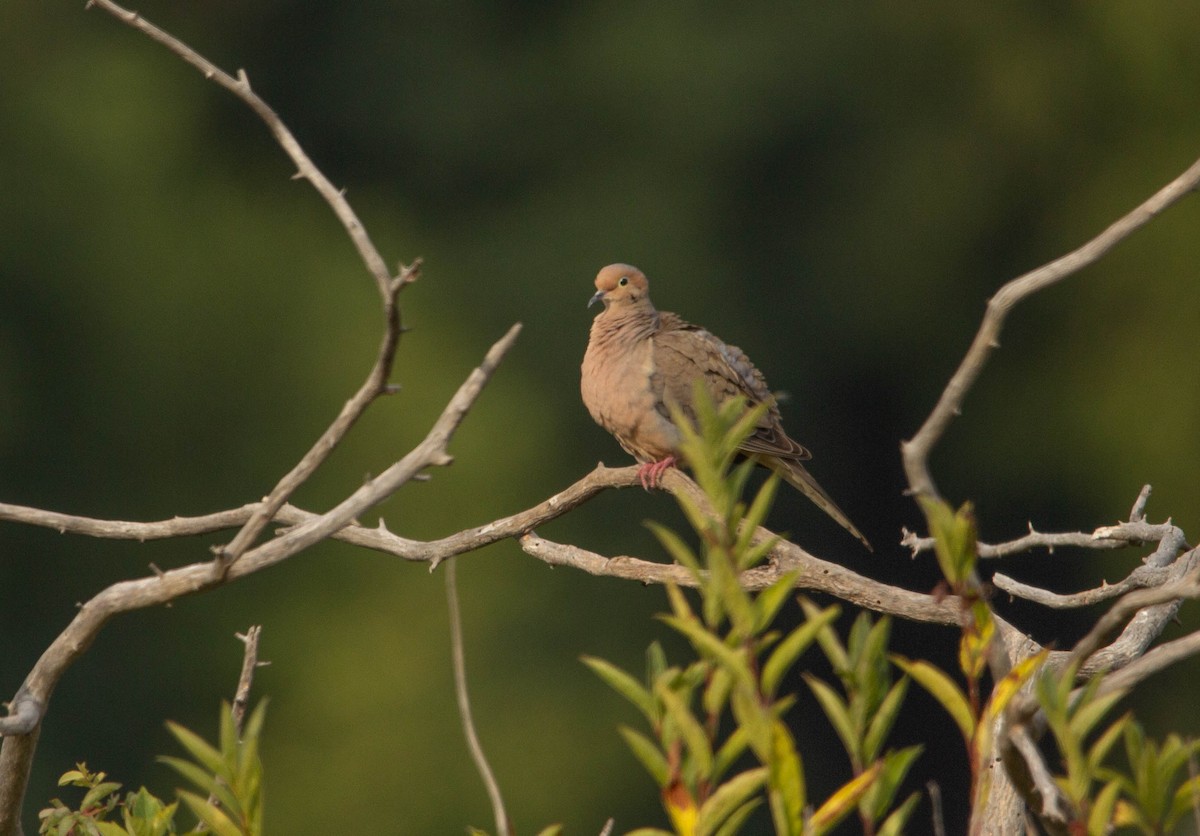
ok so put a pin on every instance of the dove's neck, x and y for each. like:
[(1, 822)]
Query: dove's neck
[(625, 325)]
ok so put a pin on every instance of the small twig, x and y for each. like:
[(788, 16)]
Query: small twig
[(250, 663), (241, 696), (935, 802), (464, 703), (1138, 512)]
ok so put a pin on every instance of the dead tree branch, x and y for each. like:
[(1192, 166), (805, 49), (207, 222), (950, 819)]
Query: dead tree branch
[(915, 452)]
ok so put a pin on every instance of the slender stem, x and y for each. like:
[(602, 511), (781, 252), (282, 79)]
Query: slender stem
[(464, 701)]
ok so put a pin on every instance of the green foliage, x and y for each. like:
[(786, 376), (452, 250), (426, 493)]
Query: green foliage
[(864, 716), (1151, 794), (709, 716), (230, 774)]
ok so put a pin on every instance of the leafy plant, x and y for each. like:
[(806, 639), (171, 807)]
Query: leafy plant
[(707, 716), (230, 774)]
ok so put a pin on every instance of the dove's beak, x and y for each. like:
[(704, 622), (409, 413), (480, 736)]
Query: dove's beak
[(598, 296)]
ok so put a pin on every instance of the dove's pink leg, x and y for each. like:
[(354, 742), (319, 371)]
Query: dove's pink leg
[(650, 473)]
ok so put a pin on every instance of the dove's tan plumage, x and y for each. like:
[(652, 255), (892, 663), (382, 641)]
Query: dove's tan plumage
[(640, 359)]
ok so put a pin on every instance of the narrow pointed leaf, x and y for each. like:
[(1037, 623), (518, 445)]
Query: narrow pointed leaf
[(830, 644), (625, 685), (839, 716), (648, 754), (788, 794), (1088, 714), (215, 818), (733, 824), (679, 551), (944, 690), (771, 600), (198, 748), (789, 650), (711, 647), (843, 802), (689, 728), (730, 751), (757, 514), (203, 781), (894, 824), (728, 797), (885, 717)]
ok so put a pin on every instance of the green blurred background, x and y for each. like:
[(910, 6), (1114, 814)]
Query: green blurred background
[(836, 188)]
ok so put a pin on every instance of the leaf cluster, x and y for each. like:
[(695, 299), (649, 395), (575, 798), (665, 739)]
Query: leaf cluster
[(229, 775)]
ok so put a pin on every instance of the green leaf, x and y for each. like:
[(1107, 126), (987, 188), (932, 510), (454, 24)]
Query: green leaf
[(843, 802), (679, 604), (680, 552), (894, 824), (830, 644), (733, 824), (954, 538), (648, 754), (716, 692), (788, 651), (943, 689), (839, 717), (212, 816), (730, 751), (885, 717), (649, 831), (551, 830), (771, 600), (710, 646), (625, 685), (207, 783), (756, 516), (1100, 817), (895, 767), (787, 796), (1104, 743), (109, 828), (689, 727), (98, 793), (656, 662), (198, 748), (729, 797), (1186, 798)]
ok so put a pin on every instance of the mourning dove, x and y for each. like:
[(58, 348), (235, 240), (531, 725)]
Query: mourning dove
[(640, 360)]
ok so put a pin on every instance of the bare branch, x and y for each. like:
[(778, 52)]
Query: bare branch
[(250, 663), (915, 452), (305, 167), (1029, 542), (1155, 660), (464, 703), (1148, 609), (28, 707), (376, 383), (1054, 806)]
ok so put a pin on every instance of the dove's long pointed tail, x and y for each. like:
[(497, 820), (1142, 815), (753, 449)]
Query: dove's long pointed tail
[(795, 475)]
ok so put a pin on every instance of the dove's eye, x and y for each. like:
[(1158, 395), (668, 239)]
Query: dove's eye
[(624, 281)]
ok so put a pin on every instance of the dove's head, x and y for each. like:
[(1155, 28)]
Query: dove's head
[(622, 285)]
